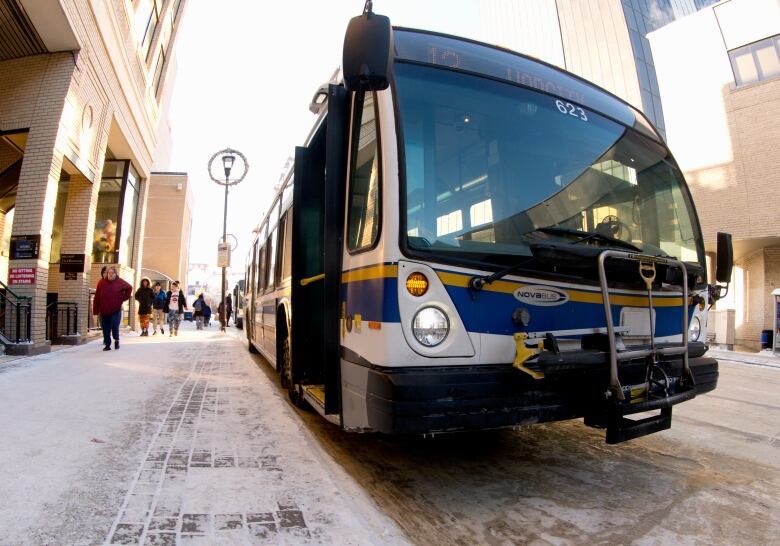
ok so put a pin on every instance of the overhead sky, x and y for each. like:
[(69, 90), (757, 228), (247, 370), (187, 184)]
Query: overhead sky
[(246, 73)]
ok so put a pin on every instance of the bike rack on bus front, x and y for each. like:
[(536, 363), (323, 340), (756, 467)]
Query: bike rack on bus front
[(645, 263)]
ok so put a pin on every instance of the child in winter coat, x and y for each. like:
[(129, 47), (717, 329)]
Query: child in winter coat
[(145, 297)]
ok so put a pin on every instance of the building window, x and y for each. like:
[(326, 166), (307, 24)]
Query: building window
[(158, 72), (59, 218), (757, 61), (117, 208), (151, 27), (127, 219)]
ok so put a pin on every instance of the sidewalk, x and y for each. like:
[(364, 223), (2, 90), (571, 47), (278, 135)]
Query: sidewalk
[(763, 358), (179, 440)]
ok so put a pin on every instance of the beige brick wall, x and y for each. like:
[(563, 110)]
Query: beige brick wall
[(740, 194), (168, 221), (74, 104)]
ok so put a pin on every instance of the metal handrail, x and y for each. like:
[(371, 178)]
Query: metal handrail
[(54, 311), (15, 316), (14, 294), (653, 352)]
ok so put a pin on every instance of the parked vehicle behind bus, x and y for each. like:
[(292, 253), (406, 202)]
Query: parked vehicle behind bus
[(471, 238), (238, 304)]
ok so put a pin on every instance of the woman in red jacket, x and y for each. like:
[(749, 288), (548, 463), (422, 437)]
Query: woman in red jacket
[(110, 294)]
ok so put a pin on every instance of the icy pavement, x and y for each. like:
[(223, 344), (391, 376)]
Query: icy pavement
[(167, 441)]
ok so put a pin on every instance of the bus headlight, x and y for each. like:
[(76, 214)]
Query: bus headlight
[(430, 326), (694, 331)]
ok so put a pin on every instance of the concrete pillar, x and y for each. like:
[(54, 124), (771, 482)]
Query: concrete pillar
[(77, 235)]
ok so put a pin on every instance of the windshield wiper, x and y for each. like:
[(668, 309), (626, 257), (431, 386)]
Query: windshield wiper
[(478, 282), (586, 235)]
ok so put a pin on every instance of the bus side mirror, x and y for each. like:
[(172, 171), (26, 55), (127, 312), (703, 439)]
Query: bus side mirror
[(367, 56), (725, 258)]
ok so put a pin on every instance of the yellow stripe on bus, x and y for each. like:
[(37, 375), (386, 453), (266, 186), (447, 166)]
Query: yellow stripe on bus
[(506, 287), (380, 271), (462, 280)]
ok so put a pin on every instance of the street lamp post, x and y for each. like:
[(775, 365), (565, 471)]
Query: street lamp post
[(228, 160)]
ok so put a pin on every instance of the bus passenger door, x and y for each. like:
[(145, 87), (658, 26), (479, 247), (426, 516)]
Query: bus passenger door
[(317, 243), (308, 223)]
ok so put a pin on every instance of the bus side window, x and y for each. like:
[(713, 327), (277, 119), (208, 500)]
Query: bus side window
[(283, 261), (364, 198), (271, 258), (253, 266), (261, 270)]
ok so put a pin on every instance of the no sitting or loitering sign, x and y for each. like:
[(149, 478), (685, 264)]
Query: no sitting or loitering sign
[(21, 275)]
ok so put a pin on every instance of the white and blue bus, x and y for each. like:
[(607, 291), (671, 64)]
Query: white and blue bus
[(471, 238)]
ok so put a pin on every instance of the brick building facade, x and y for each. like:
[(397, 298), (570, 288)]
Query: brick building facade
[(81, 85), (719, 72)]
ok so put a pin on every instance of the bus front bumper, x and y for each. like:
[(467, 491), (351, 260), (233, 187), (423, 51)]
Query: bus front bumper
[(448, 399)]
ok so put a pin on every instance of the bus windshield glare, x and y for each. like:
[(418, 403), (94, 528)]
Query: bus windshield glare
[(492, 167)]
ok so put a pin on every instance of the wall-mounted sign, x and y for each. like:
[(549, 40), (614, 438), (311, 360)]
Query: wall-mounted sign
[(21, 275), (71, 263), (25, 246), (71, 276)]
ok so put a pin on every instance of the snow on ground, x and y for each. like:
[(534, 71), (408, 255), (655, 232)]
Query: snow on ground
[(167, 441)]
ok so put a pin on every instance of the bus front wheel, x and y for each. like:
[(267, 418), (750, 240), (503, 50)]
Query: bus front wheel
[(293, 391)]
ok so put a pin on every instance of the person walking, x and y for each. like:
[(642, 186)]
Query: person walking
[(145, 298), (197, 307), (206, 314), (158, 308), (110, 294), (176, 303), (229, 305)]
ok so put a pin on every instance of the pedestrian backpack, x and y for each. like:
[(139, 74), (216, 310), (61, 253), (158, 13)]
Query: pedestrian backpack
[(198, 306)]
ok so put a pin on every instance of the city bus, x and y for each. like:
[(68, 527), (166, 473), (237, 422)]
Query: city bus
[(238, 307), (470, 238)]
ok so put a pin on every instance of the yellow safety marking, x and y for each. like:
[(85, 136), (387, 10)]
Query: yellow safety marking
[(357, 322), (523, 353), (310, 280), (637, 394), (317, 391), (380, 271), (454, 279)]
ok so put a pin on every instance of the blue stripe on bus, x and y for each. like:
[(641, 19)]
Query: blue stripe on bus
[(491, 312), (372, 299)]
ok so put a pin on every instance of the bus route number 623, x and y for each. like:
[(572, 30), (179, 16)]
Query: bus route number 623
[(570, 109)]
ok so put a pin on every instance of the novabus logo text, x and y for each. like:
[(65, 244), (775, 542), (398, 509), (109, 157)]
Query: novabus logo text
[(541, 295)]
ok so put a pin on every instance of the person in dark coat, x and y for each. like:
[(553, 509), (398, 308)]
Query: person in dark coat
[(206, 315), (158, 308), (145, 297), (229, 305), (197, 307), (110, 294), (176, 303)]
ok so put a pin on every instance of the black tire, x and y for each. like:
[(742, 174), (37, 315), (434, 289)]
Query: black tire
[(251, 347), (239, 323), (293, 391)]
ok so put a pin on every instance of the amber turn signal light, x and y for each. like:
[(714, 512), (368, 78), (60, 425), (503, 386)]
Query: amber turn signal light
[(417, 284)]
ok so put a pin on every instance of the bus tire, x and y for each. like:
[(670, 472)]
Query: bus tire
[(252, 349), (293, 391)]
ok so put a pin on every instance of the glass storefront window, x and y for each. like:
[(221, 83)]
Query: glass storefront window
[(117, 206), (129, 210), (59, 220)]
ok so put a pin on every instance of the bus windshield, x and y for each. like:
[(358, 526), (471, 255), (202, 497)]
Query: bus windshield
[(492, 167)]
